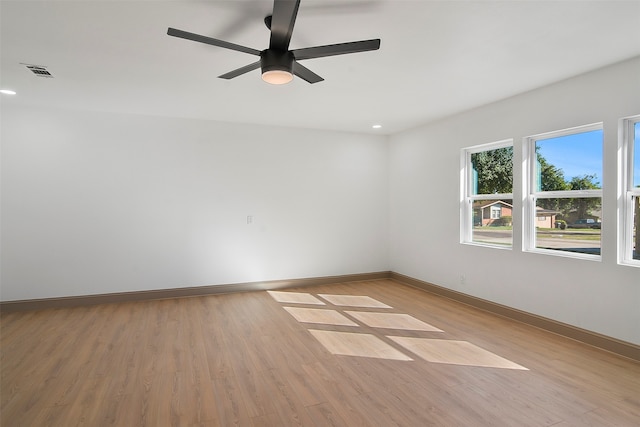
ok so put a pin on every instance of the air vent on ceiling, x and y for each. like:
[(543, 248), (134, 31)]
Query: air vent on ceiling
[(39, 70)]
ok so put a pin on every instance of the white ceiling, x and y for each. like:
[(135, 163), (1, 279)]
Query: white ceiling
[(436, 58)]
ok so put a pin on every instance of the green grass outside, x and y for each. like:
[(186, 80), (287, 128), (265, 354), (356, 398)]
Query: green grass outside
[(571, 236), (586, 234)]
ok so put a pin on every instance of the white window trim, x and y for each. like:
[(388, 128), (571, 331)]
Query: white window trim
[(467, 199), (531, 195), (626, 191)]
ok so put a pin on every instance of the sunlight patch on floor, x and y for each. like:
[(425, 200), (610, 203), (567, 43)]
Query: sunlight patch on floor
[(295, 297), (443, 351), (319, 315), (454, 353), (355, 344), (392, 321), (354, 301)]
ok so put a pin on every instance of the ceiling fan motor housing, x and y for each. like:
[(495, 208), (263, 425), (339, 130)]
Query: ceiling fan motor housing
[(276, 60)]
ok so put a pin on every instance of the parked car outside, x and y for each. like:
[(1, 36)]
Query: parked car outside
[(586, 223)]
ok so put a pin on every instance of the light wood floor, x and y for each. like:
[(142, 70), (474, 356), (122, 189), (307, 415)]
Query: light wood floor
[(243, 359)]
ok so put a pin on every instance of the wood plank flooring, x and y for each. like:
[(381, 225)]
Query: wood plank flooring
[(243, 359)]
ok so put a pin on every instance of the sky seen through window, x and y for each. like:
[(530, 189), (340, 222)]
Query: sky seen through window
[(576, 154)]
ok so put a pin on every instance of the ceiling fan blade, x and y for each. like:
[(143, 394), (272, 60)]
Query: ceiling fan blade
[(208, 40), (336, 49), (306, 74), (282, 22), (240, 71)]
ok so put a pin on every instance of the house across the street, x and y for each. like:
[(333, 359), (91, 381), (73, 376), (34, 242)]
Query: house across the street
[(486, 212), (545, 218), (499, 212)]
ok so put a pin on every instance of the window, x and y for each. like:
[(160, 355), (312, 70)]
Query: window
[(563, 184), (487, 194), (495, 212), (629, 168)]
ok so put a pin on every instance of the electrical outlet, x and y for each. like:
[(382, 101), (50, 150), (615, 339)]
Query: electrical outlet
[(463, 279), (249, 219)]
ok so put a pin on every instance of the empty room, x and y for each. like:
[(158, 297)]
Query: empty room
[(319, 213)]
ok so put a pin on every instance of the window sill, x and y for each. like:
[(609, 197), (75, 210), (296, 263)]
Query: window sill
[(564, 254), (488, 245)]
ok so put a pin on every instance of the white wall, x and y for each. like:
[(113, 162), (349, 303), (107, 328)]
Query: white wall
[(424, 201), (97, 203)]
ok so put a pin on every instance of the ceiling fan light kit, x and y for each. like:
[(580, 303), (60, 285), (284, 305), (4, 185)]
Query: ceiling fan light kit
[(278, 63), (277, 77)]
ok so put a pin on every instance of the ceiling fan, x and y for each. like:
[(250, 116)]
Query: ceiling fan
[(278, 63)]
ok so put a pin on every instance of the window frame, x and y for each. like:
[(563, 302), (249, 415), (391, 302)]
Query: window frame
[(466, 188), (531, 195), (626, 191)]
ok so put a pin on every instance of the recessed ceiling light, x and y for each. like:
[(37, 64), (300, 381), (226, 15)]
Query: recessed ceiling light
[(376, 126), (7, 91)]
